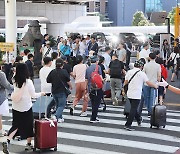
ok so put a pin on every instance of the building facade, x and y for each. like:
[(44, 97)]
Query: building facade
[(121, 11)]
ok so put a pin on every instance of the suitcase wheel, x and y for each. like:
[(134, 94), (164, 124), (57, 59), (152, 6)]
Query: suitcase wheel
[(157, 127), (164, 126), (55, 148), (34, 149)]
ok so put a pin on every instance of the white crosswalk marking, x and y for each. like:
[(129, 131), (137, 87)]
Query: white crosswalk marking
[(76, 135)]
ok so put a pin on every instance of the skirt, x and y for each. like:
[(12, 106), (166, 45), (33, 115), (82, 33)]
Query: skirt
[(23, 121), (4, 108)]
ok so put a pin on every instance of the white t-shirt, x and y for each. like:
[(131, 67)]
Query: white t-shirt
[(53, 65), (28, 92), (152, 69), (107, 60), (144, 54), (79, 71), (82, 48), (25, 58), (43, 73), (136, 84)]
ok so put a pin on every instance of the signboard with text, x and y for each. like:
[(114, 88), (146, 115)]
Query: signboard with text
[(6, 46)]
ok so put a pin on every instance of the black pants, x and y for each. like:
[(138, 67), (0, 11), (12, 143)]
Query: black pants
[(50, 106), (133, 112), (95, 96)]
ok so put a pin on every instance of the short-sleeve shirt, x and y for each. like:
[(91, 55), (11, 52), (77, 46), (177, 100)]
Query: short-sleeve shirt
[(79, 71), (122, 55), (136, 84), (89, 72), (152, 69), (174, 56), (56, 77)]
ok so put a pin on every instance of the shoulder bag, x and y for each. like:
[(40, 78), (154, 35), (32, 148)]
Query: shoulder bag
[(126, 86), (67, 91)]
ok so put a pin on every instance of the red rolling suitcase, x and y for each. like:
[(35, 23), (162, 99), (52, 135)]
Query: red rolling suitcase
[(45, 134)]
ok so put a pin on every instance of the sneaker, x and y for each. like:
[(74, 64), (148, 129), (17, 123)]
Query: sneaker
[(83, 114), (71, 111), (28, 147), (60, 120), (129, 128), (94, 121), (5, 147), (149, 116)]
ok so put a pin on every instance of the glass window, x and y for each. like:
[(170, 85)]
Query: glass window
[(153, 6)]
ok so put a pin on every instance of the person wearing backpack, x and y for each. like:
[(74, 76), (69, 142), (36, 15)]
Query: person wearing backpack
[(116, 69), (94, 83)]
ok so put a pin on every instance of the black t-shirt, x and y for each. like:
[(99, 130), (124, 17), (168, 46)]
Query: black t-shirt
[(56, 77), (102, 69), (116, 68), (68, 68)]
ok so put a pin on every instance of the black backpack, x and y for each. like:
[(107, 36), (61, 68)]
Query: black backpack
[(116, 69)]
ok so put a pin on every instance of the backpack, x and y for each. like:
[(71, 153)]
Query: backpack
[(96, 79), (115, 69)]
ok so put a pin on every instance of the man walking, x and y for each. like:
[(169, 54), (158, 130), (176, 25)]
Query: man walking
[(107, 58), (94, 94), (153, 72), (137, 78), (116, 70)]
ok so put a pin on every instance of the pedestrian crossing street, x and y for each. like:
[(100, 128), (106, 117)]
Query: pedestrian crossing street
[(76, 135)]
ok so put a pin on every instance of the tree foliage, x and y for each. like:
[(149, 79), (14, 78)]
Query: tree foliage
[(140, 20), (171, 15)]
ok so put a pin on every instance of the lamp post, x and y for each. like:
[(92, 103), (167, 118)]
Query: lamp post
[(11, 22)]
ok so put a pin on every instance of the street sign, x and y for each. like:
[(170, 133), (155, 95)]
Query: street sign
[(7, 47)]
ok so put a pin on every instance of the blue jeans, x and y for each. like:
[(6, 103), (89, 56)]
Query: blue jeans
[(149, 97), (60, 100)]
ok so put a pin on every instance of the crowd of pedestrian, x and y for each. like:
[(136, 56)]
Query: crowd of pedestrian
[(79, 59)]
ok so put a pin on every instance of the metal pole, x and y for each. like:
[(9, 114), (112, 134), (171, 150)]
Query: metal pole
[(11, 22)]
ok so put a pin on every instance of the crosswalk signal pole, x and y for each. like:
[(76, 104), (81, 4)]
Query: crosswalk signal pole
[(177, 22)]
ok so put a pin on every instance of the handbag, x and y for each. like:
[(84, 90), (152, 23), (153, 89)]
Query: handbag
[(126, 86), (17, 94), (67, 91)]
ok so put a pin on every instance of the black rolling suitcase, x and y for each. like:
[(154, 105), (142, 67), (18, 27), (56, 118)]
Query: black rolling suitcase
[(158, 116)]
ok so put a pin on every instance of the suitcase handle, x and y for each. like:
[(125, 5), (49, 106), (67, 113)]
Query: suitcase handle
[(45, 106)]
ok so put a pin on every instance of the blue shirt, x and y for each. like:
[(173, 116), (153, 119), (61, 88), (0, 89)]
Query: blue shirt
[(89, 71)]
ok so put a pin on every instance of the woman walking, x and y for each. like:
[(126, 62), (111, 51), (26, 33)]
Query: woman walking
[(22, 114)]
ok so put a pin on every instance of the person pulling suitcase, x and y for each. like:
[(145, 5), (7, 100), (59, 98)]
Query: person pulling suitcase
[(135, 90)]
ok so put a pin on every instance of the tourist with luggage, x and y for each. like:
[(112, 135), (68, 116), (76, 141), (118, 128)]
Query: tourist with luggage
[(22, 114), (94, 85), (79, 72), (135, 79), (116, 70), (153, 72), (46, 87), (4, 105), (60, 81)]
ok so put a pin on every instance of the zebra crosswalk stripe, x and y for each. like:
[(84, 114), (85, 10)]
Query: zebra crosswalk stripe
[(77, 135)]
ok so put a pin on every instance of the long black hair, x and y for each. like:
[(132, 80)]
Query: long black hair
[(21, 74)]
